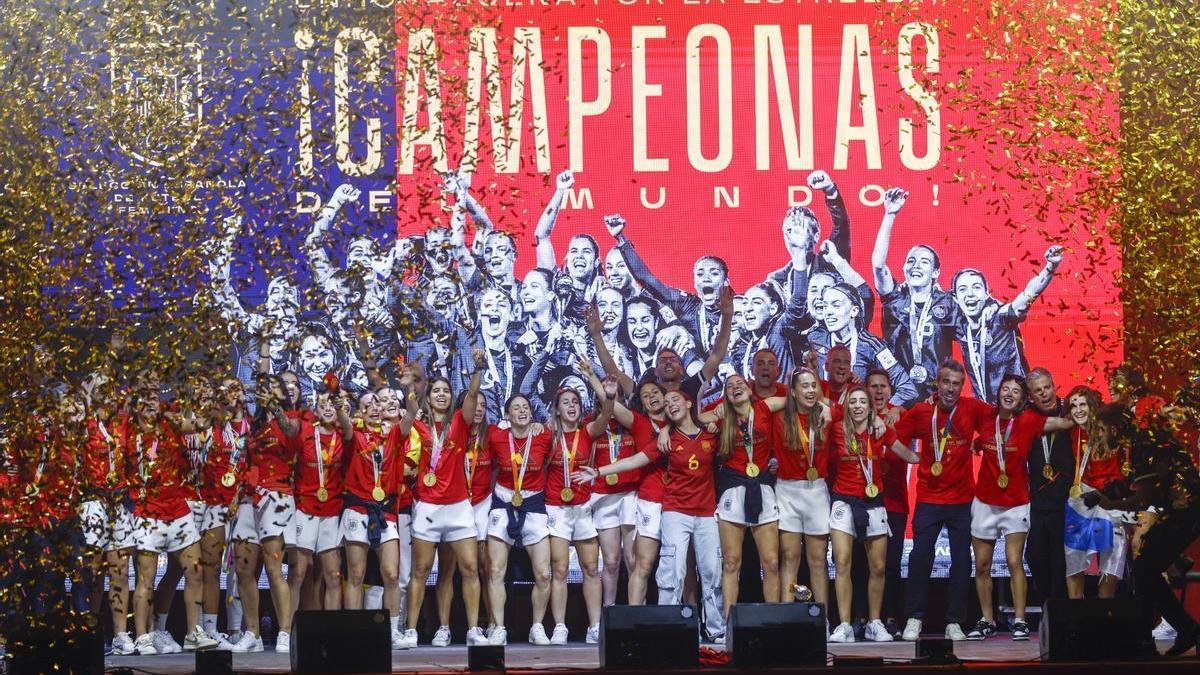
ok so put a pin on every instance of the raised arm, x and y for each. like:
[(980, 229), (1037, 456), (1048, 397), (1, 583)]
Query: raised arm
[(595, 331), (471, 400), (721, 346), (893, 200), (905, 453), (343, 416), (668, 295), (1036, 285), (840, 234), (545, 225), (604, 399), (314, 247), (220, 278)]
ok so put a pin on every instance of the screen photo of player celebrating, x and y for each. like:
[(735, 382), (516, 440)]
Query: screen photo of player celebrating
[(769, 325), (508, 361), (579, 278), (989, 331), (802, 231), (919, 318)]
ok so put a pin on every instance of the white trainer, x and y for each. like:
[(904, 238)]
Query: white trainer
[(912, 630), (476, 636), (224, 644), (406, 639), (954, 632), (498, 635), (122, 645), (1163, 631), (537, 635), (283, 642), (593, 635), (442, 637), (877, 632), (558, 637), (144, 645), (165, 644), (248, 643), (197, 640), (843, 633)]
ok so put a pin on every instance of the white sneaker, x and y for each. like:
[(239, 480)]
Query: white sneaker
[(954, 632), (719, 640), (537, 635), (224, 644), (558, 637), (442, 637), (593, 635), (165, 644), (498, 635), (249, 642), (198, 640), (1163, 631), (843, 633), (283, 642), (406, 639), (912, 630), (877, 632), (476, 636), (234, 637), (144, 645), (122, 645)]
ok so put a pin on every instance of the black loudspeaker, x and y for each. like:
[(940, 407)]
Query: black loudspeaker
[(213, 662), (76, 646), (485, 657), (649, 636), (776, 634), (1094, 630), (342, 641)]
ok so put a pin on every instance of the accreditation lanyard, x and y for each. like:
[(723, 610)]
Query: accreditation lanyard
[(1002, 442), (939, 440), (522, 459), (1082, 454)]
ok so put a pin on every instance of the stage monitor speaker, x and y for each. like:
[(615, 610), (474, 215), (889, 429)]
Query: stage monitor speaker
[(936, 651), (649, 636), (776, 634), (213, 662), (1094, 630), (74, 646), (485, 657), (341, 641)]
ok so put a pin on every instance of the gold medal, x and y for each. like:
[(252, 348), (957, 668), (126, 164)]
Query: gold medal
[(936, 469), (378, 494), (31, 490), (567, 494), (1002, 481), (322, 494), (1075, 491), (228, 479), (430, 479), (812, 474), (517, 499), (111, 477), (1048, 472), (611, 479), (872, 491), (752, 470), (1126, 469)]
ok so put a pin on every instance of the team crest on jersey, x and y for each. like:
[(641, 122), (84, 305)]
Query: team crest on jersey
[(705, 445), (939, 313)]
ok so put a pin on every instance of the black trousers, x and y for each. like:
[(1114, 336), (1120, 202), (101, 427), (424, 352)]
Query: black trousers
[(893, 589), (928, 521), (1045, 554), (1162, 545)]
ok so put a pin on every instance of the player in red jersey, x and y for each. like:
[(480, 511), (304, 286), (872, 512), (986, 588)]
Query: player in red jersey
[(895, 501), (857, 511), (568, 512), (839, 372), (688, 507), (443, 513), (518, 514), (1001, 505), (801, 433)]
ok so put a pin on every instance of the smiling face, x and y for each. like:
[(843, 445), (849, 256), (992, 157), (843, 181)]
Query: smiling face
[(807, 389), (499, 255), (325, 409), (760, 307), (616, 271), (840, 310), (316, 357), (480, 410), (389, 404), (837, 366), (360, 254), (858, 406), (439, 396), (652, 398), (438, 249), (281, 300), (678, 407), (520, 413), (610, 306), (580, 261), (641, 324), (535, 293), (880, 388), (920, 268), (233, 396), (971, 291), (1010, 397), (569, 407), (737, 391), (368, 408), (1080, 410), (442, 295), (668, 366), (817, 284), (949, 387), (708, 276), (494, 314), (1042, 392), (765, 368)]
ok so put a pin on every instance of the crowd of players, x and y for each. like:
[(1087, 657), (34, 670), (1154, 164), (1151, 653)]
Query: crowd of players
[(445, 411)]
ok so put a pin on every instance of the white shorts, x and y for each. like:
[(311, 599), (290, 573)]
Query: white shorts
[(649, 519), (990, 522), (273, 513), (841, 518), (208, 516), (106, 528), (313, 533), (353, 528), (535, 529), (443, 522), (573, 523), (244, 529), (165, 536), (803, 506), (615, 510), (730, 506), (483, 511)]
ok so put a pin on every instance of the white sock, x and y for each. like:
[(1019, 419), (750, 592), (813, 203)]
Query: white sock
[(395, 622), (373, 597), (233, 616), (160, 622), (209, 623)]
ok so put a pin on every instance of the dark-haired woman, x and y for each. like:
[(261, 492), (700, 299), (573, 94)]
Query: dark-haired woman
[(1001, 505)]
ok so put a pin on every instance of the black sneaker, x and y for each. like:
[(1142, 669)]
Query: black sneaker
[(1020, 630), (1185, 641), (983, 630)]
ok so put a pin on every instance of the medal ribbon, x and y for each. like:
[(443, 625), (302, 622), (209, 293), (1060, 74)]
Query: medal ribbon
[(1046, 444), (237, 442), (1081, 460), (916, 333), (614, 446), (568, 458), (471, 462), (376, 462), (868, 467), (806, 442), (439, 441), (939, 440), (143, 469), (748, 437), (320, 456), (978, 356), (1002, 442), (519, 478), (108, 441)]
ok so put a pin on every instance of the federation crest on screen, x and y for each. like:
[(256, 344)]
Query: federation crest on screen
[(157, 99)]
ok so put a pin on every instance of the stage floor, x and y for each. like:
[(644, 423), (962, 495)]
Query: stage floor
[(578, 657)]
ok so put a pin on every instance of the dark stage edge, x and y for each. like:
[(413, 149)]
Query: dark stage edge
[(999, 654)]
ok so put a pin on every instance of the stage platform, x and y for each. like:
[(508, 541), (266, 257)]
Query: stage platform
[(996, 655)]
